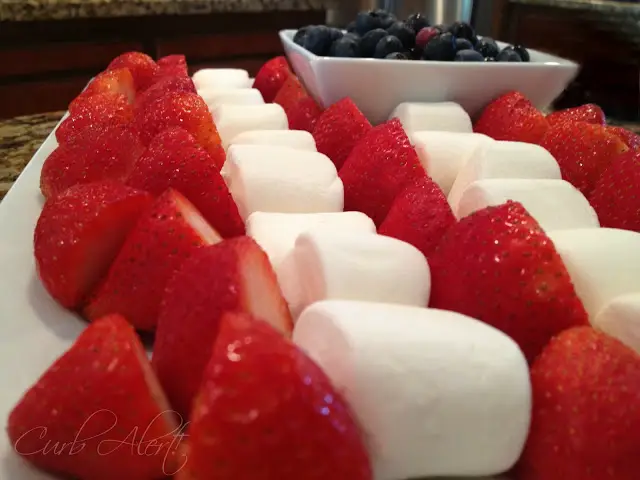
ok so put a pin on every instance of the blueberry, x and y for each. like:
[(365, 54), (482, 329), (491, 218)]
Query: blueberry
[(488, 47), (351, 27), (386, 18), (508, 54), (300, 34), (397, 56), (387, 45), (462, 30), (370, 40), (367, 21), (352, 35), (417, 22), (406, 34), (318, 40), (345, 47), (468, 55), (463, 44), (441, 48), (415, 53), (336, 34), (524, 54), (489, 59)]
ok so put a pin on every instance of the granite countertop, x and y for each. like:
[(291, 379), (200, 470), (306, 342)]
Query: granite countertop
[(29, 10)]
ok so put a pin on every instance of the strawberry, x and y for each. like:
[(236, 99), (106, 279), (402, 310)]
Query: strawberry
[(172, 65), (98, 412), (185, 110), (142, 68), (97, 153), (234, 275), (304, 114), (339, 129), (117, 81), (419, 215), (175, 160), (512, 117), (380, 166), (80, 232), (498, 265), (166, 235), (99, 102), (583, 152), (290, 93), (586, 410), (164, 86), (631, 139), (266, 411), (588, 113), (616, 195), (271, 77)]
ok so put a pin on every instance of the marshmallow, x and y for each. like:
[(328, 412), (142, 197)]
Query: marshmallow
[(279, 179), (620, 318), (216, 97), (555, 204), (603, 263), (232, 120), (298, 139), (442, 154), (441, 116), (504, 160), (221, 78), (437, 393)]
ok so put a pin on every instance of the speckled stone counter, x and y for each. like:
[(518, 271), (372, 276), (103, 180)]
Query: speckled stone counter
[(29, 10)]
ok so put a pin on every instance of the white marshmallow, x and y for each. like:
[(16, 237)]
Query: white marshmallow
[(620, 318), (279, 179), (221, 78), (442, 154), (436, 392), (216, 97), (232, 120), (504, 160), (298, 139), (604, 263), (555, 204), (440, 116)]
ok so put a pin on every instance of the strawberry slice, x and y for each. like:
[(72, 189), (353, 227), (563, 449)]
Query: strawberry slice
[(380, 166), (497, 265), (116, 81), (616, 195), (261, 399), (586, 413), (304, 114), (271, 77), (631, 139), (583, 152), (290, 93), (234, 275), (162, 239), (419, 215), (99, 102), (80, 232), (95, 154), (163, 86), (588, 113), (98, 411), (512, 117), (339, 129), (175, 160), (142, 68)]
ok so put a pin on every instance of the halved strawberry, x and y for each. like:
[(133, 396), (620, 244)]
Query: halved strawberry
[(588, 113), (631, 139), (175, 160), (99, 102), (512, 117), (80, 232), (143, 68), (234, 275), (98, 412), (267, 411), (118, 81), (290, 93), (498, 265), (380, 166), (419, 215), (164, 86), (271, 77), (162, 239), (304, 115)]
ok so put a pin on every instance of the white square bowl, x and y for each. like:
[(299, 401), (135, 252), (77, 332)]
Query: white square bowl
[(378, 86)]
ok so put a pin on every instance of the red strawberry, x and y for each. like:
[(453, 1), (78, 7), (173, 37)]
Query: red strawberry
[(380, 166), (588, 113), (118, 81), (173, 65), (616, 195), (290, 93), (141, 66), (583, 152), (512, 117), (175, 160), (586, 410), (339, 129), (186, 110), (234, 275), (261, 399), (98, 412), (419, 215), (164, 86), (631, 139), (100, 101), (497, 265), (162, 239), (304, 115), (271, 77), (93, 156), (80, 232)]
